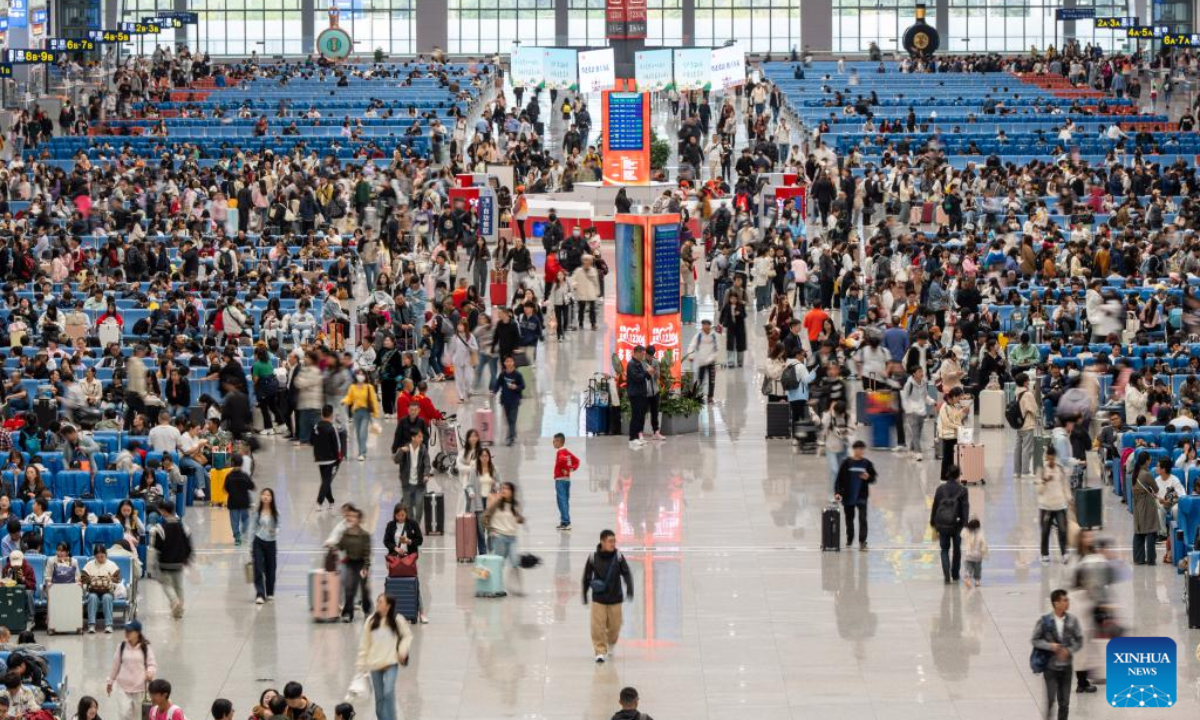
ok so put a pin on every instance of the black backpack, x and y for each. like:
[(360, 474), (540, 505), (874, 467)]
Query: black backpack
[(945, 515), (1012, 413), (791, 378)]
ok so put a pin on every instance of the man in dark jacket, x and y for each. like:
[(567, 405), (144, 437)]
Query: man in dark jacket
[(171, 539), (853, 489), (629, 706), (552, 235), (637, 384), (238, 486), (327, 453), (235, 411), (602, 576), (506, 337), (949, 514), (413, 459)]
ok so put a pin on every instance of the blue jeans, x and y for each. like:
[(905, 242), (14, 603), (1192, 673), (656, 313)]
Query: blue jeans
[(492, 364), (562, 492), (240, 520), (371, 270), (362, 423), (105, 600), (835, 462), (197, 475), (306, 421), (383, 684), (505, 546)]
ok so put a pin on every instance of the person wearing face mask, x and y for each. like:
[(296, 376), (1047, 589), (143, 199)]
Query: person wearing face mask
[(363, 405), (573, 249)]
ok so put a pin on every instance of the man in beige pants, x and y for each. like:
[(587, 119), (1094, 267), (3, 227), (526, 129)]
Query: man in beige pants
[(602, 577)]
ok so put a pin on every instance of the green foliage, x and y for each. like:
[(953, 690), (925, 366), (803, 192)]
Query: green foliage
[(660, 151), (380, 56)]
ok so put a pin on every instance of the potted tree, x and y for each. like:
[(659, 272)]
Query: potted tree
[(679, 399)]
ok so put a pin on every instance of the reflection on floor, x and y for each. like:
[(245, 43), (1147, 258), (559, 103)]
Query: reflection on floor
[(736, 612)]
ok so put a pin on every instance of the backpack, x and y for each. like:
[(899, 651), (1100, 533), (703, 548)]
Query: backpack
[(945, 515), (1013, 414), (791, 378)]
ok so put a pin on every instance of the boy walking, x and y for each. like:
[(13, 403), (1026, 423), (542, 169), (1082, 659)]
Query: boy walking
[(565, 463)]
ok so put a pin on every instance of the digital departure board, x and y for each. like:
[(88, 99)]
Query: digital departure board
[(665, 269), (626, 122)]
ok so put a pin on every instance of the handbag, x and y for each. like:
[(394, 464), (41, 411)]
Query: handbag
[(520, 358), (402, 565), (359, 687), (1039, 659), (248, 571), (147, 706)]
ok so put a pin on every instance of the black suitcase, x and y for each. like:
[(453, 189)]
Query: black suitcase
[(779, 420), (14, 608), (1089, 504), (1193, 601), (831, 529), (615, 421), (46, 411), (406, 591), (435, 513)]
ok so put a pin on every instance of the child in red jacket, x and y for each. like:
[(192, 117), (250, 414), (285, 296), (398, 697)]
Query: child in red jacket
[(565, 463)]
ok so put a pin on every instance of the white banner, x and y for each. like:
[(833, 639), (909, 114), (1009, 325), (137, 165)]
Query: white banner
[(693, 69), (652, 70), (559, 68), (525, 66), (728, 67), (597, 70)]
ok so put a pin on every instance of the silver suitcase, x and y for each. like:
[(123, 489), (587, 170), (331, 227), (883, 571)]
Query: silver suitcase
[(64, 608)]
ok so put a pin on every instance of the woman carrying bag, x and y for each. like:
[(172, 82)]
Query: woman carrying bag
[(133, 668), (385, 642), (402, 537)]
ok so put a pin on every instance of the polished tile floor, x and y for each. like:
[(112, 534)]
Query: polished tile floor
[(737, 612)]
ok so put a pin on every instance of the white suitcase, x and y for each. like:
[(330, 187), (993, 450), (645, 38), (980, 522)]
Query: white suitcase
[(108, 333), (991, 408), (64, 608)]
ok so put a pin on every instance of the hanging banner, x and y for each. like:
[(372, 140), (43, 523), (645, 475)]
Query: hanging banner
[(18, 13), (597, 70), (728, 67), (614, 19), (652, 69), (525, 66), (693, 69), (560, 69)]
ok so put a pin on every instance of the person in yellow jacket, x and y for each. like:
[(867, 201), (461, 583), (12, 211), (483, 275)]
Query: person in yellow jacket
[(385, 642), (363, 405)]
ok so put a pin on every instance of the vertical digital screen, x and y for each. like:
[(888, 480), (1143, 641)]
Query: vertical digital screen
[(630, 268), (626, 122), (665, 271)]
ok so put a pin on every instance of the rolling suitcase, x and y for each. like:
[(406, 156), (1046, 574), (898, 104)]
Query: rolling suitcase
[(688, 309), (1089, 508), (927, 213), (324, 594), (596, 419), (14, 608), (64, 608), (779, 420), (435, 513), (831, 529), (466, 538), (991, 408), (485, 425), (498, 288), (1193, 590), (216, 485), (489, 576), (969, 457), (46, 411), (406, 591), (615, 421)]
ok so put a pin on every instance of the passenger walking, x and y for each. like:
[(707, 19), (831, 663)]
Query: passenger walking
[(363, 404), (975, 551), (950, 512), (502, 518), (511, 386), (264, 533), (1054, 494), (134, 666), (603, 576), (853, 489), (386, 639), (1057, 636)]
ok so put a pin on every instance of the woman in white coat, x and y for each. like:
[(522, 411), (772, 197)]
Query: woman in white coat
[(463, 354), (385, 642), (585, 283)]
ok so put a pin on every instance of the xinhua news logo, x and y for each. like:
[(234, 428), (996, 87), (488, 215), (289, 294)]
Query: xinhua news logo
[(1141, 672)]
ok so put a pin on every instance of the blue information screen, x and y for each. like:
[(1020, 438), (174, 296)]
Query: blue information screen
[(666, 269), (626, 123)]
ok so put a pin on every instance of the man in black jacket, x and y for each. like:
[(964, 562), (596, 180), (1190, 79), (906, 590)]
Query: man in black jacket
[(949, 514), (603, 574), (238, 486), (413, 459), (853, 489), (506, 337), (327, 453), (638, 386), (235, 411)]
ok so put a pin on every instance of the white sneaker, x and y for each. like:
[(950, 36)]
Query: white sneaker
[(636, 444), (259, 600), (1045, 559), (658, 436), (599, 659), (362, 458)]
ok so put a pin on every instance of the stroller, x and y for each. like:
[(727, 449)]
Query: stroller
[(443, 445)]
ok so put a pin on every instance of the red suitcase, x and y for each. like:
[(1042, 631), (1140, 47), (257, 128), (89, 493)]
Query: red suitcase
[(927, 213), (485, 425), (465, 537), (970, 462), (498, 293)]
